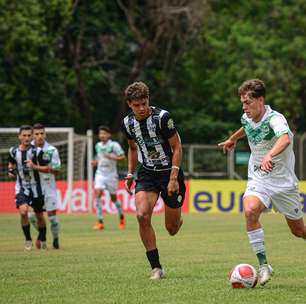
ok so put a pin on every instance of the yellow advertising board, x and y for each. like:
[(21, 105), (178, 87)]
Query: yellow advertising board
[(222, 196)]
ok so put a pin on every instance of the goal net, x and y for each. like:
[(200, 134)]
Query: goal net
[(71, 181)]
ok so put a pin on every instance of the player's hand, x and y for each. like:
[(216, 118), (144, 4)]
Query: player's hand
[(12, 173), (128, 183), (227, 145), (267, 163), (29, 163), (110, 156), (94, 163), (173, 187)]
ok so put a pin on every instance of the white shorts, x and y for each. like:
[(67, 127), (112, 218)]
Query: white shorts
[(50, 199), (287, 202), (106, 183)]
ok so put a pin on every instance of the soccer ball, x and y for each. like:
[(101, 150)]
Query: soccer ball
[(243, 276)]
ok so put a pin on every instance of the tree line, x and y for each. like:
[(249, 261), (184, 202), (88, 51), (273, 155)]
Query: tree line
[(66, 63)]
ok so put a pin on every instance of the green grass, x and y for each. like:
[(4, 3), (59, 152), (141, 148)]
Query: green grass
[(110, 266)]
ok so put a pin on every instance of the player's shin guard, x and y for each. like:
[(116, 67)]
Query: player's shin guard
[(153, 258), (33, 219), (118, 206), (42, 233), (26, 232), (55, 226), (256, 238), (99, 209)]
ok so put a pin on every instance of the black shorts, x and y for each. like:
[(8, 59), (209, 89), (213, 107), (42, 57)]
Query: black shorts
[(37, 203), (157, 181)]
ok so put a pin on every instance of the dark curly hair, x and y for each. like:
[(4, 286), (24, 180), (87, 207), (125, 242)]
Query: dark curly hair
[(136, 90), (253, 87)]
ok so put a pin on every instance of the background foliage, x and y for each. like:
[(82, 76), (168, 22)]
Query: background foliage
[(66, 63)]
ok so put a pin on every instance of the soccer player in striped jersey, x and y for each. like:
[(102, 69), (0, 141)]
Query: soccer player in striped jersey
[(51, 155), (271, 177), (108, 152), (24, 163), (155, 142)]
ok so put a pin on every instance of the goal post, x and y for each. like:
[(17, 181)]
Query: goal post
[(63, 139), (89, 135)]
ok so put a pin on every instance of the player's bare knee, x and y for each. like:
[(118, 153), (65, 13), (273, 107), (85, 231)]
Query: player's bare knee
[(251, 214), (23, 214), (172, 229), (298, 232), (23, 211), (143, 219)]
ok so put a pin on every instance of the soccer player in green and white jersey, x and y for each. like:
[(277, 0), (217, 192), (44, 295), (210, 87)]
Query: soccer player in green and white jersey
[(271, 177), (108, 152), (48, 183)]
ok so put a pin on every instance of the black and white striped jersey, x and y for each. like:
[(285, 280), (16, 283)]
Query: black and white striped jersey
[(27, 179), (151, 136)]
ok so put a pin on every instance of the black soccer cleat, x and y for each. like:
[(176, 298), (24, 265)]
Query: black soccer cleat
[(56, 243)]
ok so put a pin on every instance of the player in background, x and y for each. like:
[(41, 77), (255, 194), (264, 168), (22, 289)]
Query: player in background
[(108, 152), (51, 155), (271, 177), (155, 142), (24, 163)]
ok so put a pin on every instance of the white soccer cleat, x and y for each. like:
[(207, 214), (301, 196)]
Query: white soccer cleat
[(28, 245), (157, 274), (264, 274), (43, 245)]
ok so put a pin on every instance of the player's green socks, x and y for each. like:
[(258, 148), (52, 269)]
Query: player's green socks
[(26, 232), (118, 206), (262, 258), (99, 210), (33, 219), (54, 226), (256, 238)]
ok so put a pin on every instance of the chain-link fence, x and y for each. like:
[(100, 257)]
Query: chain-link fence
[(208, 161)]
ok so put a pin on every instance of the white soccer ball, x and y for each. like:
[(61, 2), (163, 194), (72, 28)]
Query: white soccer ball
[(243, 276)]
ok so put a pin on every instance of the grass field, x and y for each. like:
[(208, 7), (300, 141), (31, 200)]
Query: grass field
[(110, 266)]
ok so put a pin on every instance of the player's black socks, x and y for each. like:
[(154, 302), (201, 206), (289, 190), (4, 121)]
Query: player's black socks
[(153, 258), (42, 233), (26, 232), (121, 216)]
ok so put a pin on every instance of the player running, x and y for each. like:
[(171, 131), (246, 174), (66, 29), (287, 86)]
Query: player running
[(108, 152), (24, 163), (51, 155), (154, 140), (271, 177)]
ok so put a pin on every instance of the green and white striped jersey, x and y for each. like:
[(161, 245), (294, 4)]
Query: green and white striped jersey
[(261, 137), (106, 166)]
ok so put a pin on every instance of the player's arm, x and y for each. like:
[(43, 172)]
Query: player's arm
[(231, 142), (54, 171), (176, 146), (55, 165), (115, 157), (37, 167), (94, 162), (11, 169), (280, 145), (38, 163), (118, 153), (132, 163), (11, 165), (281, 130)]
